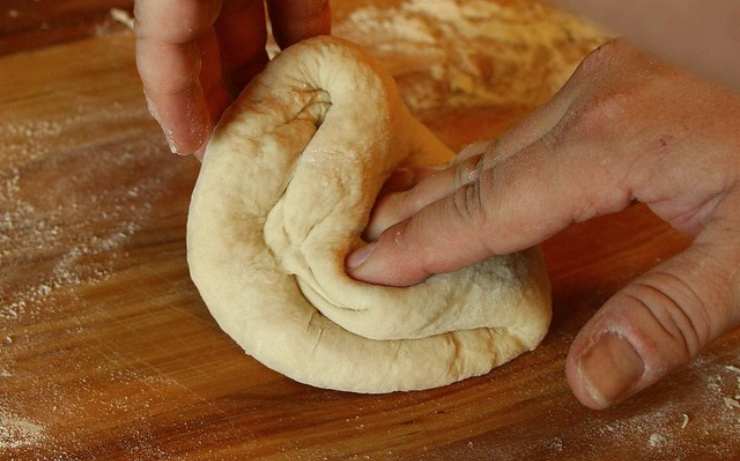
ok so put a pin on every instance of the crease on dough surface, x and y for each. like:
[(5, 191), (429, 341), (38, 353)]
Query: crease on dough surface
[(284, 193)]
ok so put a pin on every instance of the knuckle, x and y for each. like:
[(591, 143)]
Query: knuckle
[(468, 206), (467, 171), (597, 115), (604, 98), (660, 336), (587, 137), (679, 313), (602, 191), (688, 303)]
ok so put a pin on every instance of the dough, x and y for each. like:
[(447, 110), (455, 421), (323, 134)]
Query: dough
[(285, 191)]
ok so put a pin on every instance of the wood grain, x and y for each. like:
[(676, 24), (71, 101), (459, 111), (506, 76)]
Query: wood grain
[(31, 24), (107, 351)]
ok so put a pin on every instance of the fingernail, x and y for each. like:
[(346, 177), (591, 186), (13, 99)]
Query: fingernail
[(172, 145), (359, 256), (168, 135), (610, 369)]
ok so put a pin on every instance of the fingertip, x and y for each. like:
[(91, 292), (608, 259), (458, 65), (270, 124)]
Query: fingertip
[(359, 256), (646, 330), (174, 95), (367, 264), (578, 387), (188, 140), (184, 119), (605, 371)]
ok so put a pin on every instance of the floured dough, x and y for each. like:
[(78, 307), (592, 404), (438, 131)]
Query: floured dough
[(285, 190)]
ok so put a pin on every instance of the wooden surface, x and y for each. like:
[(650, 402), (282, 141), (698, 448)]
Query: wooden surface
[(108, 353), (31, 24)]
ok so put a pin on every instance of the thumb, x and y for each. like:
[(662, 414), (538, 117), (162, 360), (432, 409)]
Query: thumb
[(657, 323), (506, 205)]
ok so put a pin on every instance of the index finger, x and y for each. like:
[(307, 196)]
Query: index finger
[(169, 62)]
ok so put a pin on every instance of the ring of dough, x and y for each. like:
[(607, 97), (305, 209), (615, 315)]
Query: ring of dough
[(285, 191)]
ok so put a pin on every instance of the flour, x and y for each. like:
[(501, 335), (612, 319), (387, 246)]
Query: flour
[(79, 182), (684, 420), (123, 17), (66, 238), (73, 234), (731, 403), (17, 432), (465, 53), (657, 440)]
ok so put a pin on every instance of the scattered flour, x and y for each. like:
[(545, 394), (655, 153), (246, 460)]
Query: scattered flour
[(59, 233), (17, 432), (684, 420), (122, 16), (731, 403), (71, 236), (555, 444), (657, 440)]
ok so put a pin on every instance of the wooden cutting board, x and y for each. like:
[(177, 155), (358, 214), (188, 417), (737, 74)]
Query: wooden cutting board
[(107, 351)]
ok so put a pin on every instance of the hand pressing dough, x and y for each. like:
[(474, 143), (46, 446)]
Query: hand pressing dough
[(285, 191)]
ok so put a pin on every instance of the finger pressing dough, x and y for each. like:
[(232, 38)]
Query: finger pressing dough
[(285, 191)]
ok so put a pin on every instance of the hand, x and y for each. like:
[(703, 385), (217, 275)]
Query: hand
[(623, 128), (195, 56)]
